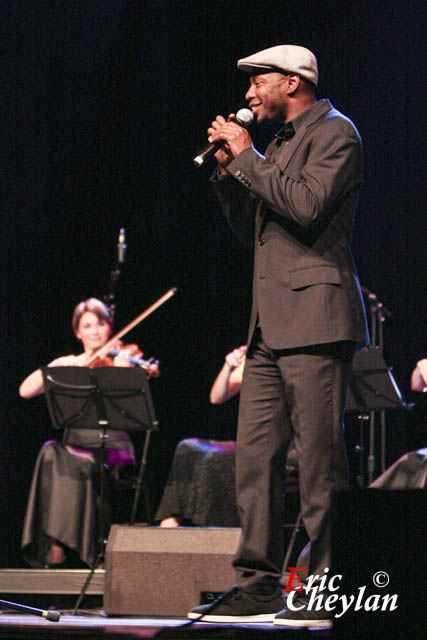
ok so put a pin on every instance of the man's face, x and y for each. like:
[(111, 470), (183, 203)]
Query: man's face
[(266, 97)]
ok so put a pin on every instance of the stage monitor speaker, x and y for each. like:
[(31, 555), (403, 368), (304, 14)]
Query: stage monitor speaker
[(378, 542), (164, 572)]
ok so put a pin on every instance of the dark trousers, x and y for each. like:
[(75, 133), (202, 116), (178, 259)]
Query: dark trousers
[(300, 392)]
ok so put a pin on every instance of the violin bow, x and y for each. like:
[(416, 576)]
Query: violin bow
[(103, 351)]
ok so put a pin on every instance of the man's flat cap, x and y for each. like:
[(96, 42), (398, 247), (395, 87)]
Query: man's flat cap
[(282, 58)]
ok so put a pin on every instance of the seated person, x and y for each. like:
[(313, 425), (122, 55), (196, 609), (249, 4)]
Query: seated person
[(228, 382), (419, 376), (200, 488), (60, 521), (410, 470)]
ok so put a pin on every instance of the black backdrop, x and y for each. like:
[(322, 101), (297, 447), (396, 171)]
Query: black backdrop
[(105, 104)]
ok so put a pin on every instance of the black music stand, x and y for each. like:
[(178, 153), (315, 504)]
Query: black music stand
[(372, 388), (102, 398)]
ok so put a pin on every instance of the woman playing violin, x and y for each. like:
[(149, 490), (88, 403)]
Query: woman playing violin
[(59, 526)]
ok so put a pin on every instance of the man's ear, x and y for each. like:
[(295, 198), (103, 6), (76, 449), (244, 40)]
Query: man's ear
[(293, 83)]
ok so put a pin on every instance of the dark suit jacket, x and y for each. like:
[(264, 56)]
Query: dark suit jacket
[(298, 203)]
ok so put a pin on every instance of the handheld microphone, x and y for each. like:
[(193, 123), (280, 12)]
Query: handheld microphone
[(244, 117), (121, 247)]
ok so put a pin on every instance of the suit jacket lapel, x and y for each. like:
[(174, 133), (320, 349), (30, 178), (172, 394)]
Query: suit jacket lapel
[(318, 111)]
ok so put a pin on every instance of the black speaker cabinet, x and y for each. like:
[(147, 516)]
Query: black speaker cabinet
[(164, 572), (379, 539)]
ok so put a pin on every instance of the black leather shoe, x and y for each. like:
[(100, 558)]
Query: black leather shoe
[(242, 607)]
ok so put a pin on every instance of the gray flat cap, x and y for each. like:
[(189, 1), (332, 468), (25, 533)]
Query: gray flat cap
[(283, 57)]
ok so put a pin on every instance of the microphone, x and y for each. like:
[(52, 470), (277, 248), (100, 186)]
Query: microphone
[(121, 247), (244, 117), (51, 615)]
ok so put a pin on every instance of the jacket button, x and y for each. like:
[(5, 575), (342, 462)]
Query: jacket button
[(261, 242)]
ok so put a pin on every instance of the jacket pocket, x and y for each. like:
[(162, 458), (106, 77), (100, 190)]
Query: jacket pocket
[(326, 274)]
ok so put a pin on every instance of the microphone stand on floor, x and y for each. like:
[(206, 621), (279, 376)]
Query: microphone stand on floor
[(53, 616)]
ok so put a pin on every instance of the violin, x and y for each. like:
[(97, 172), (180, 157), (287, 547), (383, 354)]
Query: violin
[(151, 366), (103, 354)]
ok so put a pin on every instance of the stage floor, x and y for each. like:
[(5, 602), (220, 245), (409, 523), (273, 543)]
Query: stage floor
[(46, 589), (95, 625)]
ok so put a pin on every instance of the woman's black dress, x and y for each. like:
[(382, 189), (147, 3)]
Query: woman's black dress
[(200, 486), (62, 502)]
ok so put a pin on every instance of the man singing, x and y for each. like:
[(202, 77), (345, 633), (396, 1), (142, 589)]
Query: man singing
[(295, 206)]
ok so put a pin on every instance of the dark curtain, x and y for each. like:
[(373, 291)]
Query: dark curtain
[(104, 106)]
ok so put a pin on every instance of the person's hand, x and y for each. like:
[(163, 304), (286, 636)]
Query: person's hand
[(236, 139), (122, 358), (236, 357), (419, 376)]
